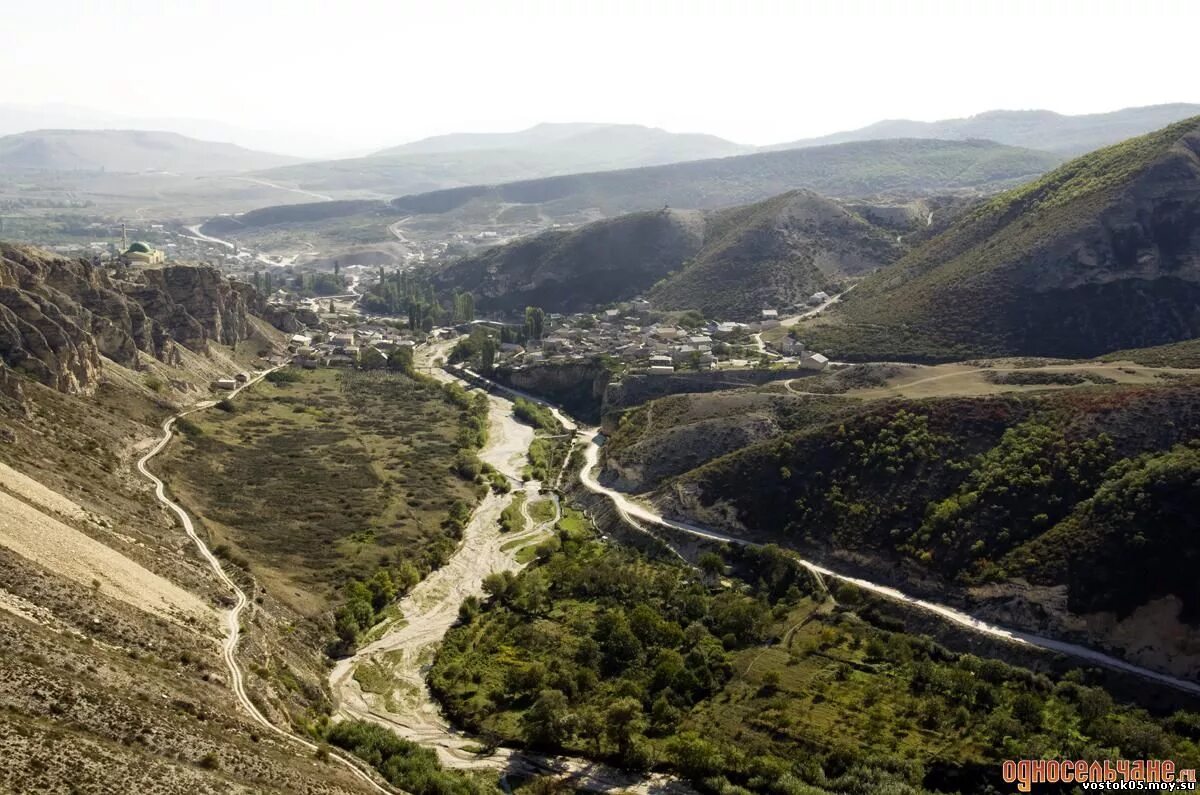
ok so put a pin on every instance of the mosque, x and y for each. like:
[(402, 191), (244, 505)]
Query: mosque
[(140, 253)]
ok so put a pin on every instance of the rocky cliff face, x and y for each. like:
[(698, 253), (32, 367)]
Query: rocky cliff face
[(576, 386), (58, 316)]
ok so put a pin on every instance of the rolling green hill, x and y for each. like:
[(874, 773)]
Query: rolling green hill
[(728, 263), (1096, 256)]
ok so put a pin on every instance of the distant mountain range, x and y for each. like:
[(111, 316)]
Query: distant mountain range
[(1099, 255), (1035, 129), (853, 169), (485, 158), (728, 263), (869, 168), (296, 142), (127, 151)]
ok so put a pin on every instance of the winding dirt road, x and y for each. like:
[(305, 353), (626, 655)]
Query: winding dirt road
[(638, 514), (233, 616)]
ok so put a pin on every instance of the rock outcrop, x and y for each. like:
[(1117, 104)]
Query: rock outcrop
[(59, 316)]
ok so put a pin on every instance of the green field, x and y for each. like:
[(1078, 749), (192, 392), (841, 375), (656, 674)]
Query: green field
[(326, 478)]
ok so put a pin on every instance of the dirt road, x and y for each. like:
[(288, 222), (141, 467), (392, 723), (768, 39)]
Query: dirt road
[(233, 616)]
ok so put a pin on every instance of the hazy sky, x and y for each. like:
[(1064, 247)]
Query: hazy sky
[(368, 73)]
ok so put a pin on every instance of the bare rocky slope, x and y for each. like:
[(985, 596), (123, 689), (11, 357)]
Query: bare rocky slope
[(58, 316), (726, 263), (110, 622)]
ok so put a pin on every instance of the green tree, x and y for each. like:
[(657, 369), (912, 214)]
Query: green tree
[(622, 720), (401, 360), (487, 355), (548, 721), (535, 319), (372, 359)]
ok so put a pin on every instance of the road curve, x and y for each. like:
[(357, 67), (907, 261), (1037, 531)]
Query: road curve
[(233, 617), (637, 513), (632, 510)]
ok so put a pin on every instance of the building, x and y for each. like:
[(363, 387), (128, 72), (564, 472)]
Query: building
[(143, 254), (819, 297), (224, 384), (813, 361)]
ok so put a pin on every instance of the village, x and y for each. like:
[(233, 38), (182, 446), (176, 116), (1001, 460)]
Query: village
[(643, 340), (662, 343)]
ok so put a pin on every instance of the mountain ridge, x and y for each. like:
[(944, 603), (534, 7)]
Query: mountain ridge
[(128, 151), (1037, 129), (1096, 256), (727, 263)]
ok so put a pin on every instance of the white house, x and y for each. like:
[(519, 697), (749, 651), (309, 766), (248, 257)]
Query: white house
[(813, 361)]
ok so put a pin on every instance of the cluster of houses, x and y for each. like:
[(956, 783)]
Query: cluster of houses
[(344, 348), (657, 348)]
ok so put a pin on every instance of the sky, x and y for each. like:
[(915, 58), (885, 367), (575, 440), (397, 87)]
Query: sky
[(353, 75)]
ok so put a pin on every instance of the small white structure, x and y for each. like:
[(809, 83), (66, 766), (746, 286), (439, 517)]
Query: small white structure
[(224, 384), (659, 369), (301, 340), (660, 360), (813, 361), (819, 297)]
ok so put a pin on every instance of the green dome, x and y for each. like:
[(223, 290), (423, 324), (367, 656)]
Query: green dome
[(139, 248)]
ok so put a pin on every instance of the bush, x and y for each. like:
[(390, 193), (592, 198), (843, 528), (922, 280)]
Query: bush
[(284, 376), (403, 763)]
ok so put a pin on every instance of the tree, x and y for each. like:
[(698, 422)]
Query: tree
[(548, 721), (400, 360), (487, 355), (383, 589), (372, 359), (337, 268), (622, 720), (535, 320), (713, 566)]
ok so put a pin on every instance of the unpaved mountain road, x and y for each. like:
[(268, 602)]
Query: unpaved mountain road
[(233, 616), (638, 514)]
